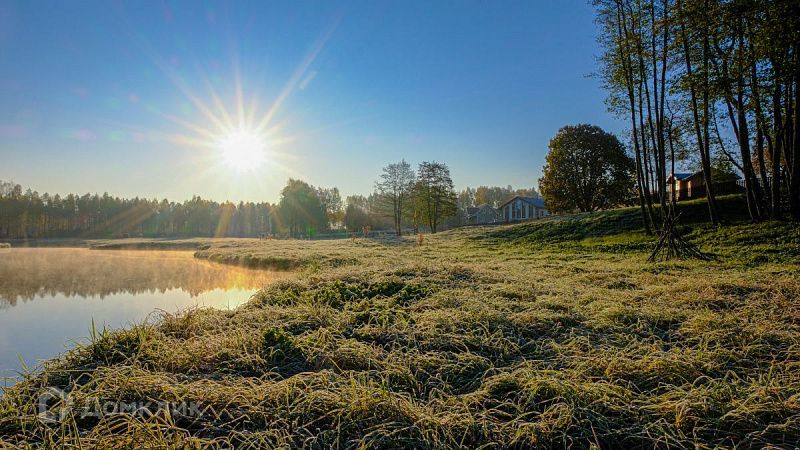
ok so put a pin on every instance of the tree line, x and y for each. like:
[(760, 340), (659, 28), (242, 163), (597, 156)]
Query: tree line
[(700, 78), (27, 214), (303, 210), (404, 199)]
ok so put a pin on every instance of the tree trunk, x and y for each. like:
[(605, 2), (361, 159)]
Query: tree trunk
[(777, 148), (794, 187), (760, 133), (706, 155), (752, 189), (700, 132), (641, 181)]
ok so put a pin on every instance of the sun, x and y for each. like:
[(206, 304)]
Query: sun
[(243, 150)]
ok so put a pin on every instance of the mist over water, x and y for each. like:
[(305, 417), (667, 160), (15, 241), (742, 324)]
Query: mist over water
[(50, 296)]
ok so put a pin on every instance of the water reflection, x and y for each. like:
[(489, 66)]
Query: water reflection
[(30, 273), (49, 297)]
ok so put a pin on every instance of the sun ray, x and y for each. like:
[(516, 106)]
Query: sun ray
[(191, 142), (176, 80), (189, 125), (237, 84), (298, 74), (218, 103), (339, 124), (252, 110)]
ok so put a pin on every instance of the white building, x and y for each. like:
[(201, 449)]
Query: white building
[(523, 208)]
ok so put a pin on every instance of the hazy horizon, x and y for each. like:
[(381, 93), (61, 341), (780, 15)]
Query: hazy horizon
[(134, 99)]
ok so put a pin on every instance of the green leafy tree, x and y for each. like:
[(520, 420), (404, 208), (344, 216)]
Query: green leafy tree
[(434, 195), (332, 203), (355, 217), (587, 169), (300, 211)]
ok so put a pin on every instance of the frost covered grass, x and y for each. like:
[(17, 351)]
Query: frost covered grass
[(540, 335)]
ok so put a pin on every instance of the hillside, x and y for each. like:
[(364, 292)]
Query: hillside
[(546, 334)]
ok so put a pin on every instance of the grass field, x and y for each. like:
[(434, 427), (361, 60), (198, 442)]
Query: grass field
[(549, 334)]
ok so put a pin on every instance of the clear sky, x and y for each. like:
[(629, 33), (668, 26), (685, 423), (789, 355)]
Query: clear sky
[(137, 98)]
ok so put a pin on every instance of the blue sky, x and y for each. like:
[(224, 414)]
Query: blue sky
[(127, 97)]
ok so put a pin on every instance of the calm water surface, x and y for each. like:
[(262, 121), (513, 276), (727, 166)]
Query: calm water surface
[(49, 296)]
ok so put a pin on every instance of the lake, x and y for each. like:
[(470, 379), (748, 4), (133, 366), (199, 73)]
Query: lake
[(49, 296)]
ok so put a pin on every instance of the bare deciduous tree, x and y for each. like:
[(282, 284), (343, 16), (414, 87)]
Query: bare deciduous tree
[(394, 187)]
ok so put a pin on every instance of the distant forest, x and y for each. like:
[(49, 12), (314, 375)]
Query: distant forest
[(303, 211), (27, 214)]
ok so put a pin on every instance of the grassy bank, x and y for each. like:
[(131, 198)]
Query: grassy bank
[(116, 244), (547, 334)]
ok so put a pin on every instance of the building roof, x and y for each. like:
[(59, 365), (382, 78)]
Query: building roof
[(686, 175), (535, 201), (683, 175), (472, 210)]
